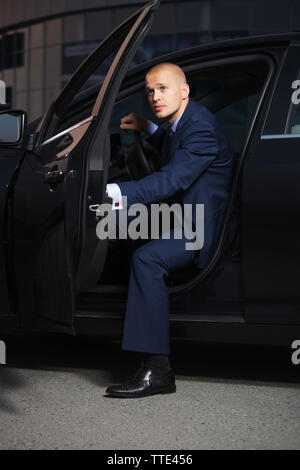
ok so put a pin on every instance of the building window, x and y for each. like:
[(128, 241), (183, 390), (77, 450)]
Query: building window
[(12, 51)]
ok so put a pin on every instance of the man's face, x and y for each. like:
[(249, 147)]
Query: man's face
[(167, 93)]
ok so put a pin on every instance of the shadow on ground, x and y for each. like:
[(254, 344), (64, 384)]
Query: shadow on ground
[(190, 360)]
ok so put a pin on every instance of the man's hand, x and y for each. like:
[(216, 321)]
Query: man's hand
[(133, 122)]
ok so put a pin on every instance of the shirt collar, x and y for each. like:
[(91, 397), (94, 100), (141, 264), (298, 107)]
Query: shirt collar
[(175, 123)]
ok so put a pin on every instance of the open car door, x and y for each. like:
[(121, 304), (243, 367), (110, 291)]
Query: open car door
[(65, 174)]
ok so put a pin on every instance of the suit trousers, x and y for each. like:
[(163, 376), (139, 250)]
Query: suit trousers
[(146, 326)]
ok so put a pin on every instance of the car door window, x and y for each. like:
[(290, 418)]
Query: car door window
[(231, 92), (282, 116), (81, 106), (294, 124), (93, 72), (236, 118), (137, 103)]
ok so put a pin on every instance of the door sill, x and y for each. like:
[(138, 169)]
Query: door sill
[(107, 289)]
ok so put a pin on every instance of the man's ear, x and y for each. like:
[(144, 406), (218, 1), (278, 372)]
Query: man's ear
[(185, 91)]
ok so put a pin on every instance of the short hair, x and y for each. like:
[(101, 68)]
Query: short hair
[(169, 65)]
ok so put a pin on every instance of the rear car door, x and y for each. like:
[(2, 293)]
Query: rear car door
[(271, 206), (56, 249)]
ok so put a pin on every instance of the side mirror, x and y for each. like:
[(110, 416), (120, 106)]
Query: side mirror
[(12, 126)]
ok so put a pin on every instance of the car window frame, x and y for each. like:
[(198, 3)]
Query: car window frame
[(275, 123)]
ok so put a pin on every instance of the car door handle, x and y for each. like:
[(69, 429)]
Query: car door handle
[(54, 176)]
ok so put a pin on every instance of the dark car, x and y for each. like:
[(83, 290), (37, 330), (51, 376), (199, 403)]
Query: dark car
[(54, 174)]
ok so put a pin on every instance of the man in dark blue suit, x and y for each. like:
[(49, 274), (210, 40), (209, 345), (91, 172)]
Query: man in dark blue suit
[(196, 170)]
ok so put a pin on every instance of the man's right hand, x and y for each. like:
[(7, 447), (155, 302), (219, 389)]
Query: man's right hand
[(133, 122)]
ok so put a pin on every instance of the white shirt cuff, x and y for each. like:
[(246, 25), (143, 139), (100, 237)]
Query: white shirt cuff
[(114, 191), (151, 128)]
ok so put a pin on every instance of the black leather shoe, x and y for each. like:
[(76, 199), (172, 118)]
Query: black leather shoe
[(144, 383)]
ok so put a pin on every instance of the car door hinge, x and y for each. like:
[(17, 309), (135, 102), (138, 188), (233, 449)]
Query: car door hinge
[(29, 142)]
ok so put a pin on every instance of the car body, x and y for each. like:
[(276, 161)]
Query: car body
[(51, 258)]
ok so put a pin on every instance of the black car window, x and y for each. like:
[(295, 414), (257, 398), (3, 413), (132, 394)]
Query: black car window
[(82, 104), (137, 103), (236, 118), (91, 73), (231, 92), (80, 108)]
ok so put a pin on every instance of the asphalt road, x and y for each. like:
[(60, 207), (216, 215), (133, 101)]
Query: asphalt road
[(228, 397)]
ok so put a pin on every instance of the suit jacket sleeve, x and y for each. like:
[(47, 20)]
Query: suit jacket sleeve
[(196, 152)]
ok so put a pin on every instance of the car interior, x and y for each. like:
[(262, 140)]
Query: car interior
[(230, 92), (229, 88)]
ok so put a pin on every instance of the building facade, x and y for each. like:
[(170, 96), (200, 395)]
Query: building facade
[(42, 42)]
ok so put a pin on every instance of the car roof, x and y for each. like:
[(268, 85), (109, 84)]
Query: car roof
[(251, 40)]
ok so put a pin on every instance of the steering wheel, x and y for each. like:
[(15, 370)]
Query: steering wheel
[(146, 165)]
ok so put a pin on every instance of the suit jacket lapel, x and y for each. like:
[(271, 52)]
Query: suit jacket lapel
[(168, 152), (187, 114), (174, 144)]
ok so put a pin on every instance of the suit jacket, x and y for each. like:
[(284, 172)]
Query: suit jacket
[(198, 170)]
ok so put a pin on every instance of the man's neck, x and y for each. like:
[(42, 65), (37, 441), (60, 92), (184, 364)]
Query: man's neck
[(179, 112), (173, 125)]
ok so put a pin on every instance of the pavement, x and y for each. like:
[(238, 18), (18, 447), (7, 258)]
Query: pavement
[(228, 397)]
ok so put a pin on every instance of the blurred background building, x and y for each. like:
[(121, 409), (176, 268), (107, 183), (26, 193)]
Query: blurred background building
[(43, 41)]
